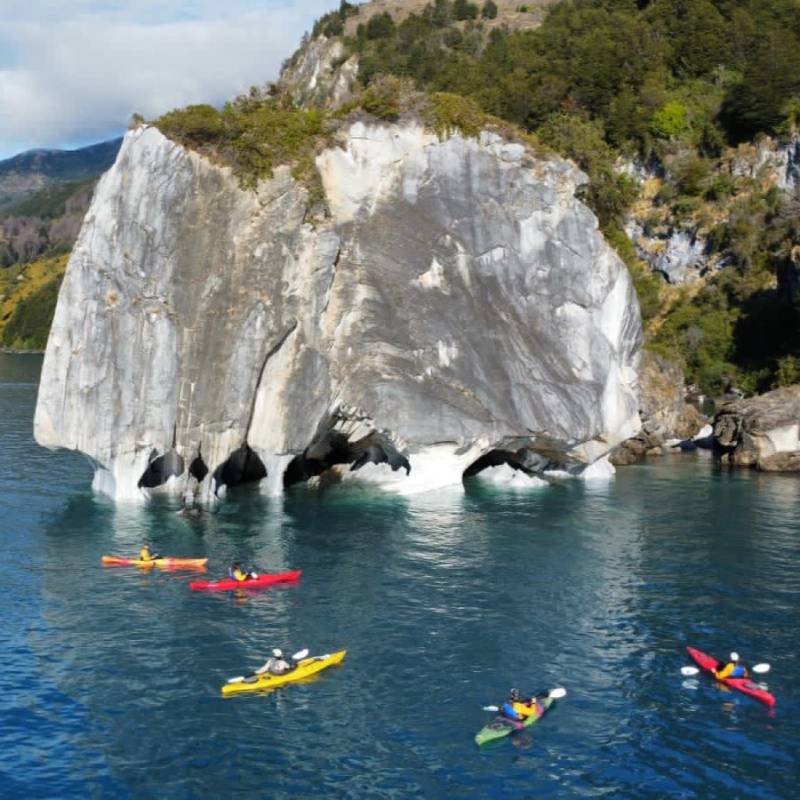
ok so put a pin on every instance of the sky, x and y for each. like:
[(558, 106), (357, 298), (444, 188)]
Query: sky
[(73, 71)]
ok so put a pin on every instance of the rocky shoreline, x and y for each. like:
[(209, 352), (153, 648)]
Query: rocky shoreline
[(761, 432)]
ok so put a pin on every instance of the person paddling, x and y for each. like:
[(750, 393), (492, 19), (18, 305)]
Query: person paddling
[(518, 710), (733, 669), (237, 574), (277, 665), (145, 554)]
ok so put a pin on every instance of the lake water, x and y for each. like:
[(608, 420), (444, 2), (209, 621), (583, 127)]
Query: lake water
[(110, 685)]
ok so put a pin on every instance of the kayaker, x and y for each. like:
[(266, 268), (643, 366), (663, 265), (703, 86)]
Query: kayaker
[(517, 709), (277, 665), (733, 669), (237, 574), (146, 555)]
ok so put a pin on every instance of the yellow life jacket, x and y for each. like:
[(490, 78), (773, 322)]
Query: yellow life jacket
[(238, 575), (144, 554), (524, 710), (727, 671)]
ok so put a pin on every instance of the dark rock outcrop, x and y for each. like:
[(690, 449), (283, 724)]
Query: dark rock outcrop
[(761, 432)]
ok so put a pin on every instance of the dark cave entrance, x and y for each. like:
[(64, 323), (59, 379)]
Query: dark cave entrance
[(242, 467), (161, 469)]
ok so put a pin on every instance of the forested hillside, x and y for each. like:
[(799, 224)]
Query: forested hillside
[(44, 195)]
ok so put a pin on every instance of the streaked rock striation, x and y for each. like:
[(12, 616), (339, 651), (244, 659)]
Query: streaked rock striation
[(458, 304)]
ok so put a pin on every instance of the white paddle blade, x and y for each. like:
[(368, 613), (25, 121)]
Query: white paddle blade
[(301, 655), (491, 708), (557, 693), (761, 669), (238, 679), (689, 671)]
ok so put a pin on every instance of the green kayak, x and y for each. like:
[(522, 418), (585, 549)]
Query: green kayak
[(500, 726)]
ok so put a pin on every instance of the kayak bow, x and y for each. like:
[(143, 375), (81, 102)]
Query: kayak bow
[(743, 685), (161, 563), (304, 669), (226, 585), (501, 726)]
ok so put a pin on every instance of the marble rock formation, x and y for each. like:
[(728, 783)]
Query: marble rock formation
[(458, 303)]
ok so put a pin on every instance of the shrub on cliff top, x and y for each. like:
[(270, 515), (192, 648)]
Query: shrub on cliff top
[(193, 125), (254, 134), (489, 10)]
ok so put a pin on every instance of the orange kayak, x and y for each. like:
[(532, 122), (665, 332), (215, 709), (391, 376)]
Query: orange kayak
[(161, 563)]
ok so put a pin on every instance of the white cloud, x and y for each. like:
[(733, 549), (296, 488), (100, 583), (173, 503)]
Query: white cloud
[(74, 72)]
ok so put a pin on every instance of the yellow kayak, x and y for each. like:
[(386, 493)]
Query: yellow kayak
[(161, 563), (305, 669)]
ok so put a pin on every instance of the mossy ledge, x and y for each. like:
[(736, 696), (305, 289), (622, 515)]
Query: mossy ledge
[(258, 132)]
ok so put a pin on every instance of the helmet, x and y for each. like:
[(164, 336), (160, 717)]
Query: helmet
[(734, 657), (514, 694), (277, 652)]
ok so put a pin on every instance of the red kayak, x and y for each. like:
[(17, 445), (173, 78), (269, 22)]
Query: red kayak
[(743, 685), (226, 585)]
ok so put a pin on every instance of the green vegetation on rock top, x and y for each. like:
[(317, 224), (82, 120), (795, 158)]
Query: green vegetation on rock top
[(254, 133)]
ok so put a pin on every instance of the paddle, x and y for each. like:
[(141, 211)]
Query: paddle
[(759, 669), (555, 694), (299, 656)]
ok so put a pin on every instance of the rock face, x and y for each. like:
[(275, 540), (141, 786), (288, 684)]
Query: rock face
[(320, 74), (683, 257), (458, 303), (762, 432), (664, 412), (789, 165)]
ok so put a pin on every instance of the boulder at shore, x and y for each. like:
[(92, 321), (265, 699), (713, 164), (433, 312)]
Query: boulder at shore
[(762, 432)]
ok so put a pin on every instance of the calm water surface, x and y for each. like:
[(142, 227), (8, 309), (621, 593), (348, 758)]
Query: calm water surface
[(110, 685)]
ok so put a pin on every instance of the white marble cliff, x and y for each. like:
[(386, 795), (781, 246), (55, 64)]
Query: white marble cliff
[(456, 308)]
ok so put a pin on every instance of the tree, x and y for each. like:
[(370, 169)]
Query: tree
[(762, 100), (463, 9), (669, 121), (381, 26), (489, 10)]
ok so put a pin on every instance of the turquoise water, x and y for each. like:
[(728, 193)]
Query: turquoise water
[(111, 678)]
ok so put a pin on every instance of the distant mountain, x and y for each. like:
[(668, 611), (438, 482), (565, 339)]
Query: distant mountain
[(36, 169), (44, 195)]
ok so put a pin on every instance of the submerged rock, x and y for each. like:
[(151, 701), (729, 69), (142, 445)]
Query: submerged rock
[(762, 432), (457, 301)]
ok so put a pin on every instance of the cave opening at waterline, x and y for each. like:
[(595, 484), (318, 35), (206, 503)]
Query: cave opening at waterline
[(523, 460), (161, 469), (242, 467), (198, 469), (333, 449)]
